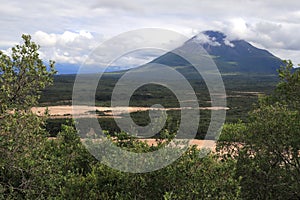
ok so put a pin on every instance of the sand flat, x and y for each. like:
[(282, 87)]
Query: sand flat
[(89, 111)]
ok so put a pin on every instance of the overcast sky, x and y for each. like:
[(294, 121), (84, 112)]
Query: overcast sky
[(68, 30)]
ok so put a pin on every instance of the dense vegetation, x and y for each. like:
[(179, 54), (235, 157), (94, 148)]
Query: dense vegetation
[(256, 159)]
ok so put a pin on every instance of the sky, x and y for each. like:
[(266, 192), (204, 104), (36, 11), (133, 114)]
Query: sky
[(68, 31)]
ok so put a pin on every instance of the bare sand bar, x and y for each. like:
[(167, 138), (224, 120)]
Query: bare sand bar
[(89, 111)]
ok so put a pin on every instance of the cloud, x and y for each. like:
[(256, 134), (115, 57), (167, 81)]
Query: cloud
[(139, 46), (64, 39), (228, 43), (68, 30), (204, 39), (286, 54), (137, 58), (68, 47)]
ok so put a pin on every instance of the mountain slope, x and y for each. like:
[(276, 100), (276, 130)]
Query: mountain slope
[(237, 56)]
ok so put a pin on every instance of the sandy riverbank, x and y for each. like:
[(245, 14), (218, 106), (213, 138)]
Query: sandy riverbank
[(88, 111)]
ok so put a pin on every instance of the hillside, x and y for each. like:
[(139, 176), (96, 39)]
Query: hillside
[(237, 56)]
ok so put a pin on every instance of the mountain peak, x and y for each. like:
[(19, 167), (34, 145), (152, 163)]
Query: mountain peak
[(236, 56), (212, 38), (215, 35)]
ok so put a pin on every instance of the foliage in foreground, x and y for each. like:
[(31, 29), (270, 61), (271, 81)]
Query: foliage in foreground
[(63, 169), (267, 149)]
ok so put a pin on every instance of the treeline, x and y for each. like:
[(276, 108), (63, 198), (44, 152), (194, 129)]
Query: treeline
[(254, 160)]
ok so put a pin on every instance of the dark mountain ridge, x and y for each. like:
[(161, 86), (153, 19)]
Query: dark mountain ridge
[(237, 56)]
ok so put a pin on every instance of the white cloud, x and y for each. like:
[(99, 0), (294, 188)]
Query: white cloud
[(141, 46), (228, 43), (202, 39), (68, 47), (44, 39), (64, 39), (137, 58), (239, 28)]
